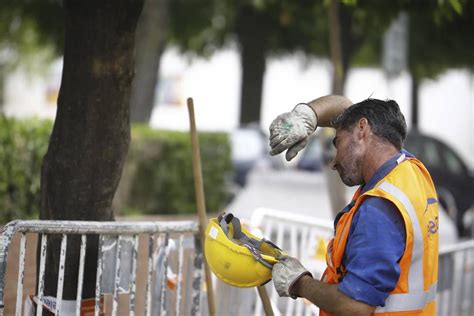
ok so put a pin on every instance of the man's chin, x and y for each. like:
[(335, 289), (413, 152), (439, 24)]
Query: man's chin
[(349, 182)]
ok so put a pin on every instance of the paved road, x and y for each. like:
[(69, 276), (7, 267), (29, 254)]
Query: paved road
[(301, 192)]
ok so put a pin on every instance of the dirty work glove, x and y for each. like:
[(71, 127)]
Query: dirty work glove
[(285, 273), (290, 130)]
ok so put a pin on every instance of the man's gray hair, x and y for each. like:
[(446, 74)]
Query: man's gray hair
[(384, 117)]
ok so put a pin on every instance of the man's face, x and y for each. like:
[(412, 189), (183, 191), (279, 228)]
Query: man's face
[(349, 157)]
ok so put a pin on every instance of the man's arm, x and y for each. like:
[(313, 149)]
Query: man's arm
[(290, 131), (328, 298), (328, 107), (291, 278)]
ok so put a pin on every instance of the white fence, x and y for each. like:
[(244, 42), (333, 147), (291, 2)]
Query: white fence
[(456, 280), (306, 237), (175, 246), (118, 264), (300, 236)]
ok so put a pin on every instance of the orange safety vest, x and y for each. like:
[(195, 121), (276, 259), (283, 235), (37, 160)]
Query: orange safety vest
[(410, 188)]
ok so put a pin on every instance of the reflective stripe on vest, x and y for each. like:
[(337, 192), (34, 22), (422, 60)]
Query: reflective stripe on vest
[(416, 298), (408, 301)]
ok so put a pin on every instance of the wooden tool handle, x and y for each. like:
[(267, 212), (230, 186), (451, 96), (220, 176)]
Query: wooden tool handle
[(200, 202)]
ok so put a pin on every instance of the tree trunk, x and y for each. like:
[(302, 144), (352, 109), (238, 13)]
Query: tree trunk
[(252, 38), (150, 44), (335, 185), (91, 133), (335, 44), (414, 101)]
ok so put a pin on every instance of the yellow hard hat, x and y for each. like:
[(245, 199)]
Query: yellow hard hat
[(236, 256)]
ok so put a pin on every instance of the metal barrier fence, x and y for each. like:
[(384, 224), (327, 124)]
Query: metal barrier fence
[(301, 236), (117, 267), (456, 280), (305, 238)]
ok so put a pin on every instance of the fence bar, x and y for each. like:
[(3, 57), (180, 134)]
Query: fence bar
[(197, 276), (5, 239), (470, 253), (180, 275), (62, 265), (164, 280), (441, 281), (450, 293), (44, 248), (150, 274), (80, 274), (118, 251), (105, 228), (99, 275), (133, 275), (463, 275), (100, 229), (21, 275)]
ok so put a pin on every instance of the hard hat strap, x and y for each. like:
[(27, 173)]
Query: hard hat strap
[(256, 254), (253, 245)]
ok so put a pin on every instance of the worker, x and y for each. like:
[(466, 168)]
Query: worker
[(383, 258)]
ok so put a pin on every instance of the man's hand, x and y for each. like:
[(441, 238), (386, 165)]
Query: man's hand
[(290, 130), (286, 272)]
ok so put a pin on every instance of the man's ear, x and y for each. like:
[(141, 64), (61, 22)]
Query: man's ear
[(363, 128)]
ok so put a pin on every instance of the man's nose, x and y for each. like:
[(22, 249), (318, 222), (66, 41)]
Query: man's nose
[(333, 165)]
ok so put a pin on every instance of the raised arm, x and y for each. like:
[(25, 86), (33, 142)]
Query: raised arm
[(290, 131), (328, 107)]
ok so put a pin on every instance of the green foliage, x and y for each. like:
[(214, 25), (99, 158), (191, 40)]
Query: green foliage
[(31, 32), (22, 147), (203, 26), (158, 176), (442, 39)]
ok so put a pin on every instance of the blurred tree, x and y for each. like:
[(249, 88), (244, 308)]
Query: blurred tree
[(91, 133), (150, 41), (440, 37), (31, 34), (355, 32), (260, 29)]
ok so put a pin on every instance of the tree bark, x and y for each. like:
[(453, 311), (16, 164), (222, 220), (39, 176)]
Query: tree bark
[(151, 35), (91, 133), (335, 44), (252, 37)]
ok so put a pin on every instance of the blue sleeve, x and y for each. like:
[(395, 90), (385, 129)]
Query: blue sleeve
[(375, 245)]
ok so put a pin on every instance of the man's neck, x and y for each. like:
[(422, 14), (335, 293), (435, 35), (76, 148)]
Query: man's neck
[(378, 155)]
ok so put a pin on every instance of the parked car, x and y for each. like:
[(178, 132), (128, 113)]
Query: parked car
[(453, 180)]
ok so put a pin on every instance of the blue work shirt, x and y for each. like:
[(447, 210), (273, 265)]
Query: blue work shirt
[(375, 244)]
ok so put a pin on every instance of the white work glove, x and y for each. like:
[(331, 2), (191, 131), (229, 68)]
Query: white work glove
[(285, 273), (290, 130)]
